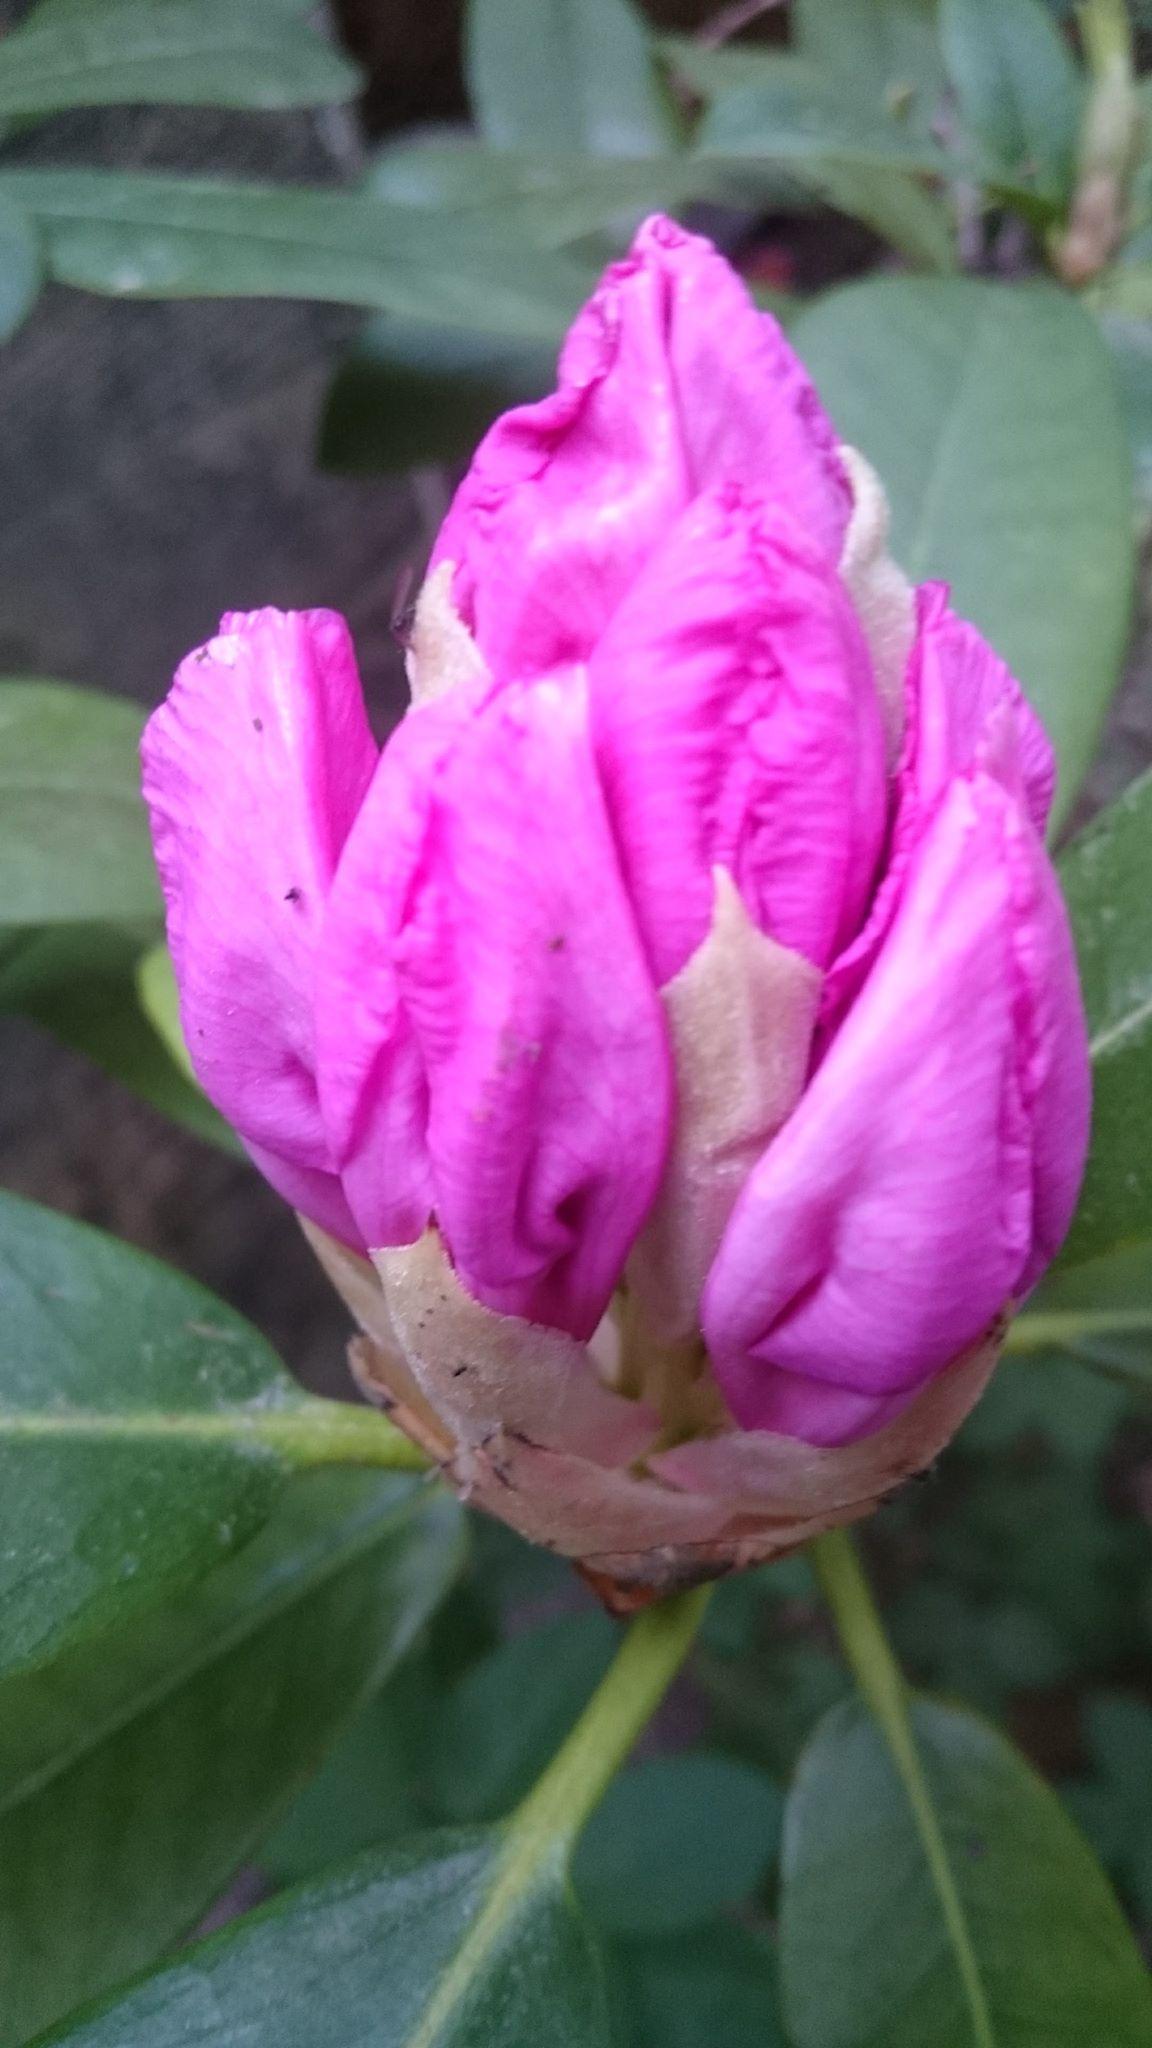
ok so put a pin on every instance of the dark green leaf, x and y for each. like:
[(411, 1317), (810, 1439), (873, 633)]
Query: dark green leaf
[(81, 983), (866, 1959), (140, 236), (992, 417), (566, 74), (498, 1727), (715, 1985), (1113, 1804), (192, 52), (408, 394), (1020, 93), (461, 1939), (677, 1841), (145, 1431), (368, 1790), (1105, 880), (21, 268), (73, 832), (136, 1775)]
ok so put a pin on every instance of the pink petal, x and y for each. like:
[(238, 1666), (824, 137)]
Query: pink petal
[(736, 725), (934, 1157), (670, 382), (964, 709), (965, 697), (492, 1047), (254, 768)]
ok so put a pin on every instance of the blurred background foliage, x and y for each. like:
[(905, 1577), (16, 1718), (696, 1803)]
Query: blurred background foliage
[(949, 203)]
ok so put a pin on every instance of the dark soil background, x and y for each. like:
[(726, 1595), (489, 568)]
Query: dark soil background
[(156, 468)]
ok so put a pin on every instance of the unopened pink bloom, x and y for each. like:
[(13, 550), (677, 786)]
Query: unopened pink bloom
[(692, 934)]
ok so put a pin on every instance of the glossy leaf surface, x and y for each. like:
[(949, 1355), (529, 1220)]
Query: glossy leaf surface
[(992, 417)]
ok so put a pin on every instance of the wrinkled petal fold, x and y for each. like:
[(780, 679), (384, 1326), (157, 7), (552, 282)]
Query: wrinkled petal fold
[(736, 725), (493, 1052), (671, 381)]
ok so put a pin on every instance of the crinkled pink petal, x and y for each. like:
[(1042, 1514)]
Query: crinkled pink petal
[(492, 1047), (903, 1204), (963, 709), (966, 697), (254, 768), (670, 382), (736, 724)]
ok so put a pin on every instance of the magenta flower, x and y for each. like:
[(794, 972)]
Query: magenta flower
[(680, 1010)]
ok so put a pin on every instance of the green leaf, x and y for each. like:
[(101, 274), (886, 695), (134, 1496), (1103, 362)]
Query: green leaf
[(145, 1431), (456, 1940), (677, 1841), (865, 1957), (369, 1789), (566, 74), (1104, 874), (804, 125), (991, 415), (81, 983), (1099, 1314), (137, 1774), (409, 394), (1020, 92), (1130, 342), (468, 1937), (717, 1984), (160, 1001), (549, 197), (21, 268), (885, 52), (139, 236), (499, 1725), (1114, 1803), (828, 128), (800, 113), (73, 831), (187, 52)]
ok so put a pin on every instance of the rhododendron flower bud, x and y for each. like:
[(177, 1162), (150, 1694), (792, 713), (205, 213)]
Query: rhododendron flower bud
[(671, 1038)]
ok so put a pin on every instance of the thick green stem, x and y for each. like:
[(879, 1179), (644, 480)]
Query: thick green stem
[(539, 1837), (884, 1691), (621, 1707)]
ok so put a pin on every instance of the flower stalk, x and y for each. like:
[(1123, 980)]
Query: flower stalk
[(884, 1691)]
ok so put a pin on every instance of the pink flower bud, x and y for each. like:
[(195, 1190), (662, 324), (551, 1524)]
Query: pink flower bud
[(671, 1039)]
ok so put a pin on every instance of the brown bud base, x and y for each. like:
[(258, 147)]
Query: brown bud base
[(521, 1426)]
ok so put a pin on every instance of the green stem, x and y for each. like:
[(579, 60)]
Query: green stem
[(884, 1691), (540, 1836), (311, 1432), (1106, 34), (621, 1707), (1061, 1328)]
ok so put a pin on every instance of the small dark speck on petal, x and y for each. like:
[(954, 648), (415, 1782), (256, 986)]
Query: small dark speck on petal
[(558, 944), (257, 725), (292, 895)]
